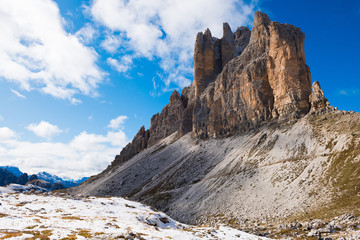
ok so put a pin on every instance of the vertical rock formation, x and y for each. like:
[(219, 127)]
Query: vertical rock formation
[(241, 81), (227, 45), (288, 74), (269, 79), (207, 60), (317, 98)]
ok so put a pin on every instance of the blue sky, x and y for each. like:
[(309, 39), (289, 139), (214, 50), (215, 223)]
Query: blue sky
[(79, 78)]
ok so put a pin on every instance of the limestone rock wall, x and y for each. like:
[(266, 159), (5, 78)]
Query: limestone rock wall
[(288, 74), (269, 80), (241, 81)]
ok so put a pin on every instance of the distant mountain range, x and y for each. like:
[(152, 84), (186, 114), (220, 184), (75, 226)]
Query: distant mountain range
[(55, 179), (11, 174)]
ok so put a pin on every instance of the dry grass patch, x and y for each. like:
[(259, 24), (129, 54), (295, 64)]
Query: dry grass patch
[(70, 237), (40, 235), (11, 235), (31, 227), (85, 233), (72, 218)]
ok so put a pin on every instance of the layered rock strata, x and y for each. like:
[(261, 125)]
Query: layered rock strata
[(241, 81)]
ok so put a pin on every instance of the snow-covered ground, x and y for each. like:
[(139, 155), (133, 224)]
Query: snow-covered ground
[(25, 216)]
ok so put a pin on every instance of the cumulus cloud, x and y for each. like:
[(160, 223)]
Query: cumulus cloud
[(17, 93), (86, 154), (167, 28), (6, 134), (38, 54), (86, 34), (117, 123), (44, 129), (112, 43), (123, 65)]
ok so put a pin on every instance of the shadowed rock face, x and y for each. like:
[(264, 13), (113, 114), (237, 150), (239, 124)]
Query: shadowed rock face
[(227, 45), (168, 121), (207, 61), (241, 81), (139, 143)]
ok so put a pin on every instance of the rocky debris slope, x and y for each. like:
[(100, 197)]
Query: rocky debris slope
[(302, 168)]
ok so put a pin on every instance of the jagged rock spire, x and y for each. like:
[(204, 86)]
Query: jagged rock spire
[(317, 99), (227, 44)]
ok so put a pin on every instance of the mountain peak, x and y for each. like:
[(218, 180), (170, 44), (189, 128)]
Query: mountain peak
[(261, 18), (241, 81)]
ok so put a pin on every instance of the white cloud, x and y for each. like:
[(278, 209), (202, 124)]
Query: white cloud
[(112, 43), (123, 65), (349, 92), (44, 129), (167, 28), (86, 154), (117, 123), (86, 34), (17, 93), (6, 134), (75, 101), (37, 53)]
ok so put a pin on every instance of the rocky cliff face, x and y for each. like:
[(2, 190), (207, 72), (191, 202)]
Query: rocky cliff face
[(241, 81)]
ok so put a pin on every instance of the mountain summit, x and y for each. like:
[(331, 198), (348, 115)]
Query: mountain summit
[(241, 81), (250, 138)]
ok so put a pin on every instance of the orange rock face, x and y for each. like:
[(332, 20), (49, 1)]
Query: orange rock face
[(288, 74)]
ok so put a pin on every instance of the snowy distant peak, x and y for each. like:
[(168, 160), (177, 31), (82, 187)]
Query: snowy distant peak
[(55, 179), (48, 177), (13, 174)]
